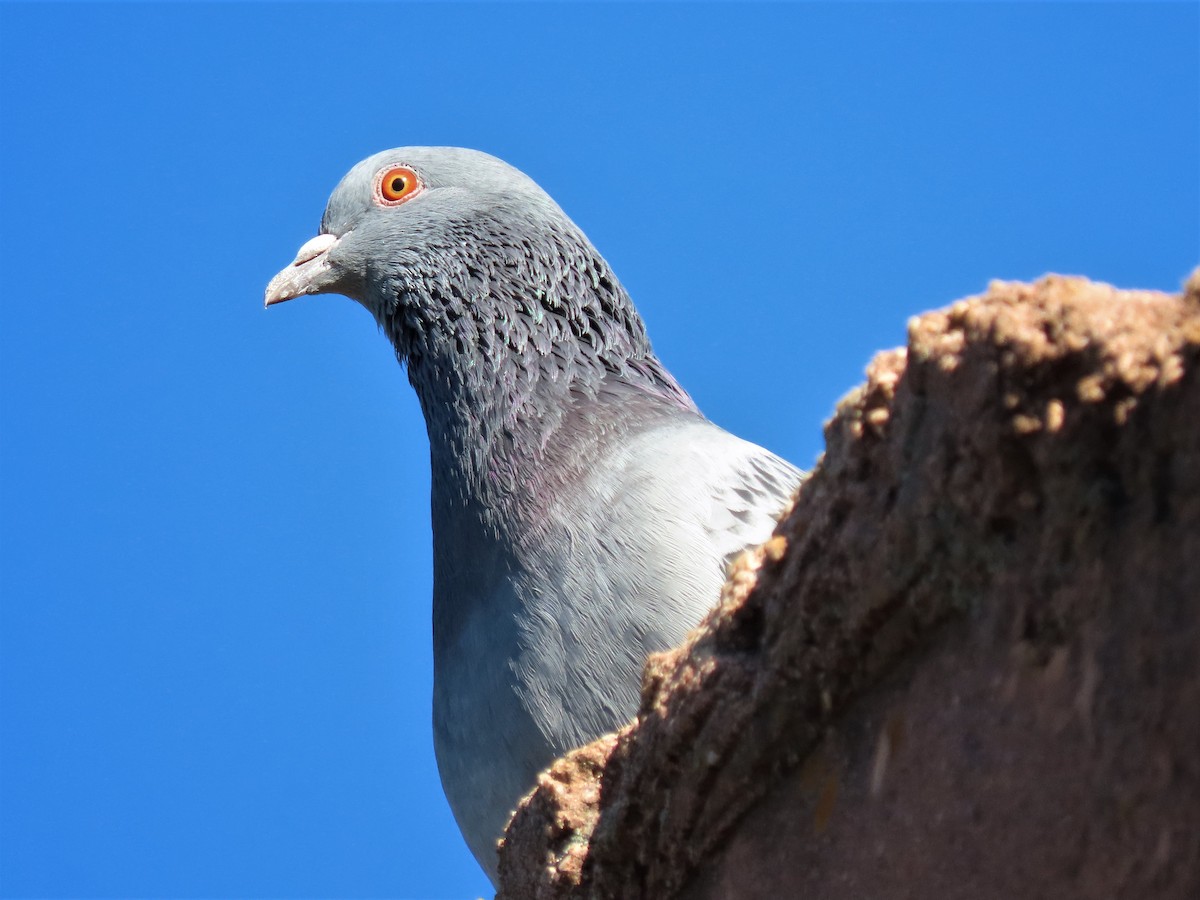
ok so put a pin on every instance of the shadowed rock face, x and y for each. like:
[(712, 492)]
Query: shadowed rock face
[(968, 663)]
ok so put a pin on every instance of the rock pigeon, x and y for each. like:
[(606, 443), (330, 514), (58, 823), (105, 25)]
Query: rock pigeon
[(584, 511)]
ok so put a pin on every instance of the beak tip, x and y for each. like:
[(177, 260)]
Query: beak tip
[(309, 272), (276, 293)]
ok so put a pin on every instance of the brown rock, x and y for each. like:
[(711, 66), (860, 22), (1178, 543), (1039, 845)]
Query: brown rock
[(968, 663)]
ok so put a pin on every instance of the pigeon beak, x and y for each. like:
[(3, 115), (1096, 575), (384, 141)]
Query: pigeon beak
[(309, 273)]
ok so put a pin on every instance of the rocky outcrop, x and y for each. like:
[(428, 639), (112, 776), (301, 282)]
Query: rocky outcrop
[(967, 664)]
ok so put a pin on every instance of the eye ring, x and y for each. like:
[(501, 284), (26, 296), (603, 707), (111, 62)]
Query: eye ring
[(395, 184)]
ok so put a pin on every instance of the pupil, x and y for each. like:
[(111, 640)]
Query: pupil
[(397, 185)]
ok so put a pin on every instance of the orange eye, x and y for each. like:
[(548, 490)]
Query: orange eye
[(396, 184)]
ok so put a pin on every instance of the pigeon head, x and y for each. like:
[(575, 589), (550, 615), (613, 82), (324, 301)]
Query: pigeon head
[(398, 216), (490, 294), (424, 237)]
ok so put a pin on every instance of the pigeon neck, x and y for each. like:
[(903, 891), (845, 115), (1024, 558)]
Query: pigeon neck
[(505, 350)]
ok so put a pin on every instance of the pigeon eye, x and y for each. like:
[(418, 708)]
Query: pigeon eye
[(396, 184)]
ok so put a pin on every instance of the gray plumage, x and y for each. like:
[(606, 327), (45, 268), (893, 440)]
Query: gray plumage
[(584, 511)]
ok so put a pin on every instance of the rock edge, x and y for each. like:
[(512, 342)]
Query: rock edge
[(1015, 493)]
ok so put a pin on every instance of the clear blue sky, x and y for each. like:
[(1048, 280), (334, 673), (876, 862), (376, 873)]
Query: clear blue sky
[(214, 524)]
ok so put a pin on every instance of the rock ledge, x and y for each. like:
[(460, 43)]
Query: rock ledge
[(967, 664)]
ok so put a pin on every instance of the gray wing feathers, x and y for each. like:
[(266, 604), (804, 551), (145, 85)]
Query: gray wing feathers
[(702, 477), (649, 533)]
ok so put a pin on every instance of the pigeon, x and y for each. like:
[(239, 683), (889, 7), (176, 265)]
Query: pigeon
[(584, 511)]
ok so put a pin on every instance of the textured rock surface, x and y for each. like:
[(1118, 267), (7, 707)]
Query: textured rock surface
[(968, 663)]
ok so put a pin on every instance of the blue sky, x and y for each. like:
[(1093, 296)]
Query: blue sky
[(214, 525)]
